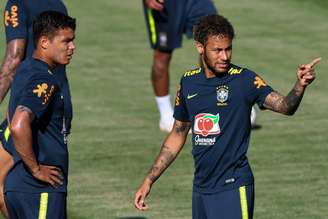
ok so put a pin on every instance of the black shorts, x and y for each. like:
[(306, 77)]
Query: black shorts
[(166, 27)]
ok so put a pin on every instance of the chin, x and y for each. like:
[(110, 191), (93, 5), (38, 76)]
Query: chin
[(221, 70)]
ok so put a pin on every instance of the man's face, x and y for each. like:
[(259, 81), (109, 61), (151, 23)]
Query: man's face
[(217, 54), (61, 46)]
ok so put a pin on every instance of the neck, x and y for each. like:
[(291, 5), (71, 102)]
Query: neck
[(41, 56)]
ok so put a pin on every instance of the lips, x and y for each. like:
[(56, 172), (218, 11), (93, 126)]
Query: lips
[(69, 56), (223, 65)]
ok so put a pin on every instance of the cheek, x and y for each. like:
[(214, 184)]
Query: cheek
[(209, 55)]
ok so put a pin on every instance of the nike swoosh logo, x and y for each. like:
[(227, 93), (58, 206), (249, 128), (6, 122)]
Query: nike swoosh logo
[(191, 96)]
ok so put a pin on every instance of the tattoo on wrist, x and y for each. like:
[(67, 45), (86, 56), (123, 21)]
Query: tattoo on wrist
[(293, 100)]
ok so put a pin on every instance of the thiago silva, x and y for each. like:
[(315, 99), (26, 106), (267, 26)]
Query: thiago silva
[(36, 186), (215, 101), (18, 20)]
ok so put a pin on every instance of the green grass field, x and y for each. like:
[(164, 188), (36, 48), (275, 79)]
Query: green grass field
[(115, 135)]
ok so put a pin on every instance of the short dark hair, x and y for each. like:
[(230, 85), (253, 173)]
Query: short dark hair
[(49, 22), (212, 25)]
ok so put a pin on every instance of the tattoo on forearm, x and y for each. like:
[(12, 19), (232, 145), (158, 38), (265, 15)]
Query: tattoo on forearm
[(286, 105), (293, 100), (14, 54), (181, 127), (163, 160)]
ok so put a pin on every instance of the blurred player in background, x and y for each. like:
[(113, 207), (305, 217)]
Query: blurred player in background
[(18, 19), (167, 21), (215, 101)]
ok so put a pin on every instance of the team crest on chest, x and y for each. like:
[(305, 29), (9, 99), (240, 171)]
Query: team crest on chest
[(222, 94)]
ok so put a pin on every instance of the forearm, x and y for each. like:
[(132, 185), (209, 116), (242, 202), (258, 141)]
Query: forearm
[(285, 104), (166, 156), (21, 131), (169, 151), (22, 139), (14, 54), (293, 99)]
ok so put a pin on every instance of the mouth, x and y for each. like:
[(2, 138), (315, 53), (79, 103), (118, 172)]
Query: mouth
[(223, 65), (69, 56)]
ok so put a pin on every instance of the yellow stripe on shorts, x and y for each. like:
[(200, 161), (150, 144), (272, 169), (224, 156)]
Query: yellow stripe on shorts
[(243, 202), (7, 133), (43, 205), (152, 26)]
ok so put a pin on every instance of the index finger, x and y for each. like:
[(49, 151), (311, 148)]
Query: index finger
[(314, 62)]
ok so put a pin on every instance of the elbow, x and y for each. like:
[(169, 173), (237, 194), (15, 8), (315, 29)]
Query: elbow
[(15, 129)]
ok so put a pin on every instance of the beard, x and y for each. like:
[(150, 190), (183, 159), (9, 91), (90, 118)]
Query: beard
[(211, 67)]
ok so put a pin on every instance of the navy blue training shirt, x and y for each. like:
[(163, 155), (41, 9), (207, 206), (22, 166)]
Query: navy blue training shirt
[(36, 87), (18, 20), (219, 109)]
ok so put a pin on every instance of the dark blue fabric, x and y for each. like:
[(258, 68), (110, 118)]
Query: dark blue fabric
[(222, 205), (219, 109), (36, 87), (26, 205), (19, 26), (177, 18)]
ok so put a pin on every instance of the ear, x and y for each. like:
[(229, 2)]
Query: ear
[(200, 48), (44, 42)]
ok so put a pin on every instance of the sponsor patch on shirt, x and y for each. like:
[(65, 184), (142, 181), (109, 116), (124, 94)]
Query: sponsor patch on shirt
[(207, 124), (44, 92), (259, 82), (11, 17)]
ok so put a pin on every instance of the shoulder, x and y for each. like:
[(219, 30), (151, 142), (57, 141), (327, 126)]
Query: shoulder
[(191, 74), (243, 72), (35, 71)]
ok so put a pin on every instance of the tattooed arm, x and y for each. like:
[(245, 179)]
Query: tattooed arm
[(21, 131), (14, 55), (288, 104), (170, 149)]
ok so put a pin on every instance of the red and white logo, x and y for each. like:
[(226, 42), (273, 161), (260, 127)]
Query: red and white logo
[(207, 124)]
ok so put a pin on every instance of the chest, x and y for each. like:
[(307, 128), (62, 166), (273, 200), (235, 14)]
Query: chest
[(215, 97)]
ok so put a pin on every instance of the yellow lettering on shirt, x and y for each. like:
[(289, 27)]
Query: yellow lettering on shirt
[(235, 71), (11, 17)]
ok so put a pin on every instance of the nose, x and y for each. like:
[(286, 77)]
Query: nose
[(72, 45), (224, 55)]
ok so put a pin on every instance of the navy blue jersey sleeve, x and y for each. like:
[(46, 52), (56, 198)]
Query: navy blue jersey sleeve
[(15, 20), (38, 93), (180, 109), (258, 89)]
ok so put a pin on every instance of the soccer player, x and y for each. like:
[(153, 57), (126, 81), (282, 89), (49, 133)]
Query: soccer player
[(215, 102), (36, 186), (18, 19), (167, 21)]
